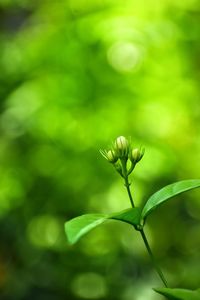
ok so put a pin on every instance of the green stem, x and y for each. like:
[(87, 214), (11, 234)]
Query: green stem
[(126, 182), (127, 185), (160, 273), (157, 268)]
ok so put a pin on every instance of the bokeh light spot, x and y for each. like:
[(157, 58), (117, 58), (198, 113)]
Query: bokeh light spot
[(98, 242), (89, 286), (44, 231), (140, 292), (11, 192), (124, 56)]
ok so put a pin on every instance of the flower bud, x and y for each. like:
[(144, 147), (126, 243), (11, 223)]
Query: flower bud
[(122, 147), (136, 155), (111, 156)]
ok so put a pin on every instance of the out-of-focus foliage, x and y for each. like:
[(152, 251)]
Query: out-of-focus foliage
[(74, 75)]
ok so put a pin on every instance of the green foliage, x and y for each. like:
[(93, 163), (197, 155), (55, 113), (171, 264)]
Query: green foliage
[(74, 74), (167, 193), (131, 216), (79, 226), (179, 294)]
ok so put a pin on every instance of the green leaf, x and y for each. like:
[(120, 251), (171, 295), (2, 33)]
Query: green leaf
[(131, 216), (79, 226), (167, 193), (179, 294)]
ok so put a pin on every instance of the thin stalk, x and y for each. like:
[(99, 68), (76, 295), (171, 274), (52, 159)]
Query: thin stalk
[(160, 273), (126, 182), (157, 268), (127, 185)]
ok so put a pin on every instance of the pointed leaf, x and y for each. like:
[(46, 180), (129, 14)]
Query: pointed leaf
[(179, 294), (79, 226), (167, 193)]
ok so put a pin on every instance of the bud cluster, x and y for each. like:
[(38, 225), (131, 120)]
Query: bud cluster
[(120, 153)]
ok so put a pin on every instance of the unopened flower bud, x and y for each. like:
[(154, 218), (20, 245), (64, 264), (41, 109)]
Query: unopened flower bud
[(136, 155), (111, 156), (122, 147)]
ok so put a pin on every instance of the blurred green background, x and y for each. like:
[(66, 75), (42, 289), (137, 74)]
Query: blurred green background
[(75, 74)]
